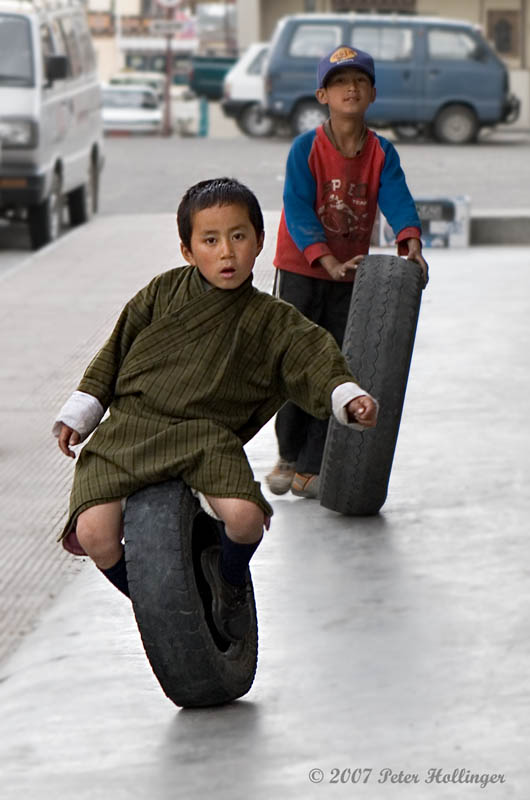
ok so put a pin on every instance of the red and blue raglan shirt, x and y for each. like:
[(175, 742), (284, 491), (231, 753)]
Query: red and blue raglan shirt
[(330, 202)]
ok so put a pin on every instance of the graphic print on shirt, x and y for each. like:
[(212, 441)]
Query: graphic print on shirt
[(344, 211)]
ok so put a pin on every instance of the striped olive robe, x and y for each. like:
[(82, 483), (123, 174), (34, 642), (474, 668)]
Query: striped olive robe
[(189, 374)]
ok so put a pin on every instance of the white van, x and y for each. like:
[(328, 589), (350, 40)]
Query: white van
[(51, 139), (243, 92)]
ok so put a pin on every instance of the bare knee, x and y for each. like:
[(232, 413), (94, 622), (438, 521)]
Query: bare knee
[(99, 531), (243, 519)]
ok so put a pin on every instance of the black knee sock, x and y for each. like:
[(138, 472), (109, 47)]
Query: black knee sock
[(235, 559), (117, 575)]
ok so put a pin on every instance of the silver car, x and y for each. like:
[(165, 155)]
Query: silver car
[(132, 109)]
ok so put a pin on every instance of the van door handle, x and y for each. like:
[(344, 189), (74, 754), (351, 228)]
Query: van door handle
[(406, 74), (434, 72)]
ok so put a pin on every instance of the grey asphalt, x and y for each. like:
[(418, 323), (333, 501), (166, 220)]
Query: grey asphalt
[(396, 643)]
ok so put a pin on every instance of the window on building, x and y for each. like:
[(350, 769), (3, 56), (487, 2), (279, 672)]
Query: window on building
[(504, 31)]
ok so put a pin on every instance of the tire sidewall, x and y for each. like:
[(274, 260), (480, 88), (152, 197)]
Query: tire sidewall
[(165, 531), (378, 344)]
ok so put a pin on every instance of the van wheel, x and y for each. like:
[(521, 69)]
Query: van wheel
[(45, 219), (307, 116), (378, 346), (406, 133), (456, 124), (254, 122), (83, 201), (165, 533)]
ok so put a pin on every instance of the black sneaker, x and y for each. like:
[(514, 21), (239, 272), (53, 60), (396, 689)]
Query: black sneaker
[(230, 604)]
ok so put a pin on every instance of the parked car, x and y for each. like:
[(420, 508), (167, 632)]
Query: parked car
[(184, 102), (243, 92), (132, 109), (207, 73), (155, 80), (430, 72), (51, 139)]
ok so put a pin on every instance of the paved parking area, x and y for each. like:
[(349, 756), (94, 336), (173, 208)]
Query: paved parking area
[(397, 642)]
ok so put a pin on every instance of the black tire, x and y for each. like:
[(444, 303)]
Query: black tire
[(45, 219), (456, 124), (254, 122), (83, 201), (378, 346), (406, 133), (306, 116), (165, 533)]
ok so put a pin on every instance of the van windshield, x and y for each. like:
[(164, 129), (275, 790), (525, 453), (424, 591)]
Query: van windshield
[(16, 61)]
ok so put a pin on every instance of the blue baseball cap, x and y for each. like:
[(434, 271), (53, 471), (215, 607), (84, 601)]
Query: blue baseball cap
[(344, 56)]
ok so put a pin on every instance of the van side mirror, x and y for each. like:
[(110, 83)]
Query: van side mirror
[(56, 68)]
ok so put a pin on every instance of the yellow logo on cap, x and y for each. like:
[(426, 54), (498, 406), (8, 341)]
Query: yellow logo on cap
[(342, 54)]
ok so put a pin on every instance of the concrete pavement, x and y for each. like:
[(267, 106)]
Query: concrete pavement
[(396, 642)]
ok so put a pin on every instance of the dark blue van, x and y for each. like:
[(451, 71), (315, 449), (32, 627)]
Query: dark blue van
[(432, 74)]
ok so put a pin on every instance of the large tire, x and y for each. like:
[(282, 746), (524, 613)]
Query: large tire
[(253, 121), (306, 116), (406, 133), (456, 124), (378, 346), (83, 201), (165, 533), (45, 218)]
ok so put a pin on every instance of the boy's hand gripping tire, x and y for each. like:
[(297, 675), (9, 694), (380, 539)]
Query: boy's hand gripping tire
[(378, 345), (165, 534)]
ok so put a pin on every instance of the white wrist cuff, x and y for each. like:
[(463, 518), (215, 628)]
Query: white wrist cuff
[(341, 396), (82, 412)]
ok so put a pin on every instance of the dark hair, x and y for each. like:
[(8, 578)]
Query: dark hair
[(216, 192)]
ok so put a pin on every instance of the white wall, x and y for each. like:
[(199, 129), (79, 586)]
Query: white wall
[(520, 86), (109, 58), (248, 16)]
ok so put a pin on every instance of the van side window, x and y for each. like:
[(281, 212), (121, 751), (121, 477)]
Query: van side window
[(72, 45), (46, 45), (88, 57), (314, 41), (60, 43), (46, 41), (453, 45), (256, 66), (384, 42)]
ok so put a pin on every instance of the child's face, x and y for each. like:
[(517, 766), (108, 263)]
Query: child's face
[(348, 91), (224, 245)]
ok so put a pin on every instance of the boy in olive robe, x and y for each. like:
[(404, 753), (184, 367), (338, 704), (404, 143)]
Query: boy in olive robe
[(198, 362)]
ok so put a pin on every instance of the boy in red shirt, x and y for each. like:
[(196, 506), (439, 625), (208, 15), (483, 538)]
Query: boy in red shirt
[(336, 177)]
